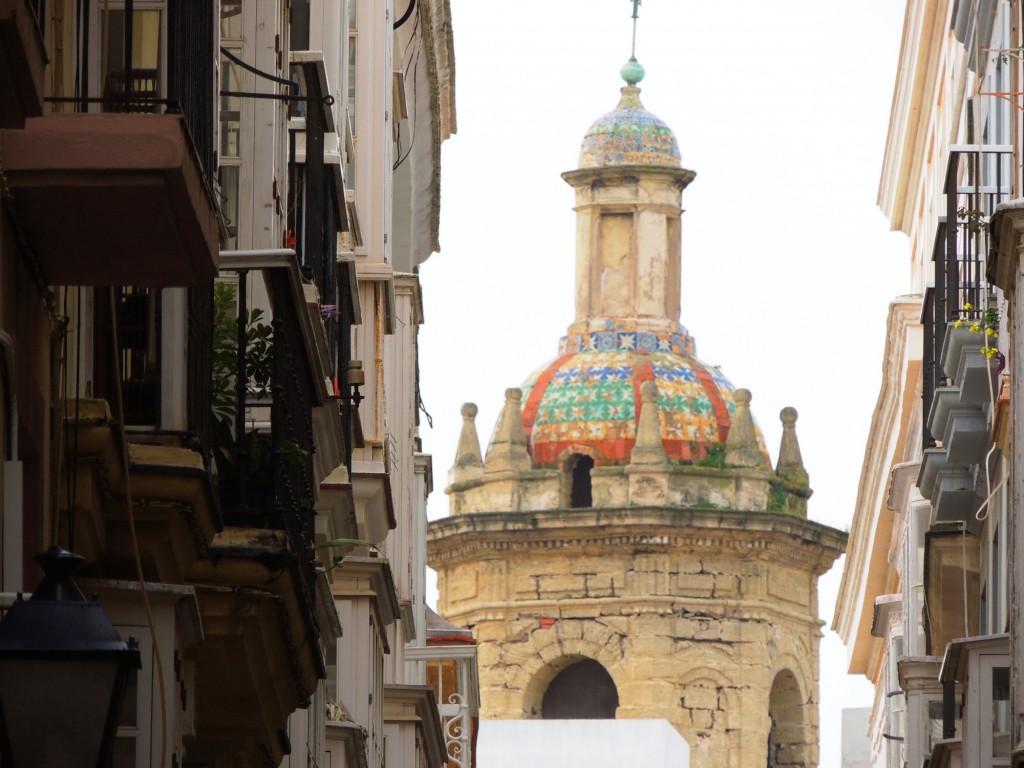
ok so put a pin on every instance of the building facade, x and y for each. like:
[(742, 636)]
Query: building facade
[(624, 548), (926, 602), (212, 214)]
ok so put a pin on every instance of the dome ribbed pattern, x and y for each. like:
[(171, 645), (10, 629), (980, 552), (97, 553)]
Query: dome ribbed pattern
[(588, 402), (629, 135)]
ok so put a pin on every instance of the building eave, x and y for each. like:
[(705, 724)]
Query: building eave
[(866, 570)]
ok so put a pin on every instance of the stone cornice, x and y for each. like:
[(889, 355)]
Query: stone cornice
[(925, 31), (623, 470), (802, 543), (872, 521), (417, 704), (609, 174), (752, 609), (920, 673), (368, 577)]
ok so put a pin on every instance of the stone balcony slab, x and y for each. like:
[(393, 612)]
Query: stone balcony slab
[(112, 199)]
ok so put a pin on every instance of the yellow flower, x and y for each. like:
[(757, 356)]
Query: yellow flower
[(991, 332), (976, 328), (968, 306), (958, 323)]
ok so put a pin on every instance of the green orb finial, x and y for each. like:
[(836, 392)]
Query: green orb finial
[(632, 71)]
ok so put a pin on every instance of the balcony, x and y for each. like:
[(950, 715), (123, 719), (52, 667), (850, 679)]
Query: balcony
[(978, 179), (259, 589), (253, 600), (960, 361), (450, 657), (375, 511), (106, 189), (112, 199), (22, 60), (962, 426), (981, 668), (951, 575), (174, 510), (411, 715)]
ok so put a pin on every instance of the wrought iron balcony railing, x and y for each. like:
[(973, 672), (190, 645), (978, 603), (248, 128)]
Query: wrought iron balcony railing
[(126, 85), (264, 449), (978, 177)]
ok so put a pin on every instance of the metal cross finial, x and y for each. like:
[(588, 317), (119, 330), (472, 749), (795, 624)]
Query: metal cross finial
[(636, 8)]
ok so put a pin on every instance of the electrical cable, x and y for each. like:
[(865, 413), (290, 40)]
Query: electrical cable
[(405, 16)]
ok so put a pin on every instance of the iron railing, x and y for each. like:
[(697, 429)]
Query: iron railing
[(199, 361), (191, 62), (269, 482), (312, 199), (978, 178), (129, 87)]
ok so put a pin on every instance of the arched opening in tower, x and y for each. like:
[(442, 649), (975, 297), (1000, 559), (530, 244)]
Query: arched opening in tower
[(581, 494), (787, 740), (581, 691)]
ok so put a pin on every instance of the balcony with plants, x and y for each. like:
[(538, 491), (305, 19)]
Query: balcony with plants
[(262, 591), (965, 409), (963, 359), (235, 504)]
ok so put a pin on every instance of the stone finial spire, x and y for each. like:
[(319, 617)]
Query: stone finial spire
[(648, 448), (469, 462), (791, 463), (508, 447), (741, 448)]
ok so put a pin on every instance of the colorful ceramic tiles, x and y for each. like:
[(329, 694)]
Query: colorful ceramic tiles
[(587, 400), (628, 341), (629, 135)]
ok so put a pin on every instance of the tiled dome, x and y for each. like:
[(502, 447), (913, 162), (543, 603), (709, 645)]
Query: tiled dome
[(629, 135), (589, 399)]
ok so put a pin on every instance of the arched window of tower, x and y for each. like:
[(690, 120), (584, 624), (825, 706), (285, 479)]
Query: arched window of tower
[(581, 494), (581, 691), (787, 740)]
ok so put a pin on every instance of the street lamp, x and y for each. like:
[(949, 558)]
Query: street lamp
[(63, 671)]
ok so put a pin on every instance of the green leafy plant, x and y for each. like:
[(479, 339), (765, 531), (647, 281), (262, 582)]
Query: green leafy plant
[(259, 357), (776, 499), (259, 368), (973, 218), (715, 457), (337, 560)]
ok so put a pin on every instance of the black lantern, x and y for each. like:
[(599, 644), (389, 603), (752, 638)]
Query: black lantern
[(63, 671)]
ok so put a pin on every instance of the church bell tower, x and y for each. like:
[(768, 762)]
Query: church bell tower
[(624, 548)]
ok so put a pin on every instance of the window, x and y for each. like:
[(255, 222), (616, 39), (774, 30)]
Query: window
[(230, 143), (935, 722), (147, 83), (132, 741), (995, 688), (981, 666), (137, 312), (581, 492)]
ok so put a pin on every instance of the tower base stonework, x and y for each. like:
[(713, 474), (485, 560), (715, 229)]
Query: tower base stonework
[(703, 617)]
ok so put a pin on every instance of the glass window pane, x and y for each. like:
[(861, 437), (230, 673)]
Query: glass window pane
[(1000, 712), (145, 63), (229, 203), (231, 19), (230, 109)]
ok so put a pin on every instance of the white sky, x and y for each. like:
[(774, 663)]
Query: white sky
[(788, 266)]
